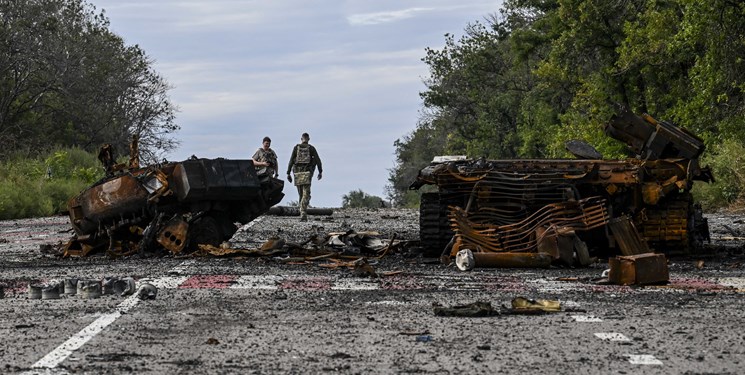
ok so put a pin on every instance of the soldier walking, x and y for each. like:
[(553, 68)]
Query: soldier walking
[(303, 162)]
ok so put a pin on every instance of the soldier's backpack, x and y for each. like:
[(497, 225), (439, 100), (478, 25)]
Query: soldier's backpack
[(302, 156)]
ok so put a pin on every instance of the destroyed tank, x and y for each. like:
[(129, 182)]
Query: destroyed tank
[(172, 206), (558, 206)]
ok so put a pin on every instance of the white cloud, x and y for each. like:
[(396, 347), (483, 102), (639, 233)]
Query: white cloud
[(384, 17), (243, 69)]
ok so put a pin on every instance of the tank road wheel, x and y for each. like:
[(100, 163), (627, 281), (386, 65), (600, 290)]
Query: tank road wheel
[(207, 231), (228, 227)]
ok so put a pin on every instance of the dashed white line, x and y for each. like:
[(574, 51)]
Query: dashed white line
[(612, 336), (56, 356), (62, 352), (354, 285), (644, 359), (586, 319)]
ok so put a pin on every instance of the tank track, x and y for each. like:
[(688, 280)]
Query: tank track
[(434, 226)]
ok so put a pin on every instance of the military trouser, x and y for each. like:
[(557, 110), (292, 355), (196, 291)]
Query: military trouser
[(303, 192)]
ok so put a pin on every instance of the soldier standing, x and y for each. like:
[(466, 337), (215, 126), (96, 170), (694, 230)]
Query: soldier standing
[(303, 162), (267, 155)]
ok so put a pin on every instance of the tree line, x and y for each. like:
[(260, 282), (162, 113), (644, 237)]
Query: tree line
[(66, 80), (521, 82)]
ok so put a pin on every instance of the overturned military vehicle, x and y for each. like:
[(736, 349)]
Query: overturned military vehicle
[(571, 209), (172, 206)]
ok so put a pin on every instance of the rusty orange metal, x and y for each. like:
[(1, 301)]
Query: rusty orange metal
[(555, 219), (173, 235), (641, 269)]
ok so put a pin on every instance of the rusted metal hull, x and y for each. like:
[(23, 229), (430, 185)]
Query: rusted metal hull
[(171, 205), (517, 205)]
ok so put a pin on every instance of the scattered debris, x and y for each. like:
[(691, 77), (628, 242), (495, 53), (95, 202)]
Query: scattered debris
[(34, 291), (522, 305), (124, 287), (70, 286), (47, 248), (349, 249), (363, 269), (475, 309), (50, 290), (273, 243), (89, 289), (642, 269), (467, 260), (628, 238), (107, 285), (147, 291)]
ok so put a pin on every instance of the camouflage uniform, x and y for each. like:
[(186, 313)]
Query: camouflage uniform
[(270, 157), (303, 162)]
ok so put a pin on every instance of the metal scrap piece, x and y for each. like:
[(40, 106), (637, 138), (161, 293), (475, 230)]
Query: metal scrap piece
[(582, 215), (641, 269), (475, 309)]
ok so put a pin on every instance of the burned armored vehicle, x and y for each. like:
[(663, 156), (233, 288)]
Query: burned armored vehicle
[(571, 208), (172, 206)]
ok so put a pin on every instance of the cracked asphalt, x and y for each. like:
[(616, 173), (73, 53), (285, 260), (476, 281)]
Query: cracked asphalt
[(263, 315)]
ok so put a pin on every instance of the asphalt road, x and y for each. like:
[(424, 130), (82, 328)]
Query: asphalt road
[(258, 315)]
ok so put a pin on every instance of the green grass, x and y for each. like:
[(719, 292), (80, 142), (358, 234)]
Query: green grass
[(34, 187)]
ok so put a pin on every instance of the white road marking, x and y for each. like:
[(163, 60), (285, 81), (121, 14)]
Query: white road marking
[(170, 282), (612, 336), (554, 286), (62, 352), (354, 285), (181, 268), (272, 282), (586, 319), (253, 222), (268, 282), (46, 371), (56, 356), (644, 359), (389, 303), (734, 282), (570, 304)]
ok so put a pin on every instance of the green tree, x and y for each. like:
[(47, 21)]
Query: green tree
[(360, 199), (547, 71), (66, 80)]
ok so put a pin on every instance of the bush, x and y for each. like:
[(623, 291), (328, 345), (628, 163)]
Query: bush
[(27, 189), (360, 199), (728, 166)]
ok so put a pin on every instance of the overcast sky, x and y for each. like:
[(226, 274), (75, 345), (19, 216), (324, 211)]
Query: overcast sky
[(347, 72)]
